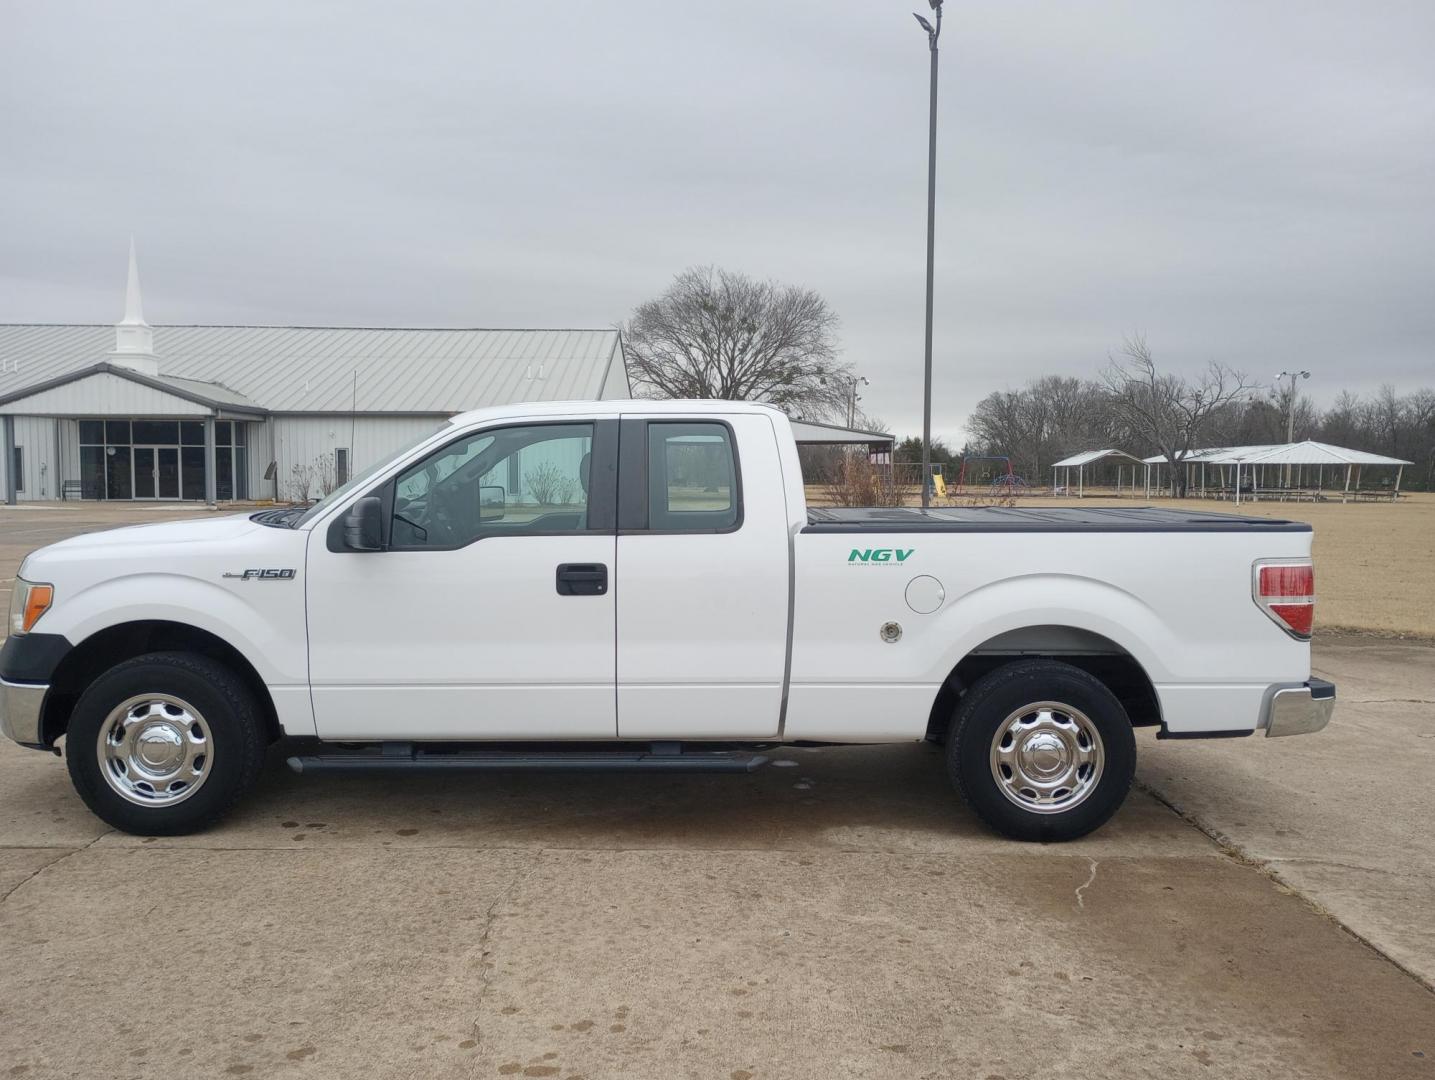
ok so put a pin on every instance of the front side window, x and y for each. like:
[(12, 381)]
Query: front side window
[(509, 482), (692, 477)]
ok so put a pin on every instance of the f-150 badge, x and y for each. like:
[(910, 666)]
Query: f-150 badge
[(264, 575)]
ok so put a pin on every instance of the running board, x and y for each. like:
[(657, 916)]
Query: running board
[(404, 758)]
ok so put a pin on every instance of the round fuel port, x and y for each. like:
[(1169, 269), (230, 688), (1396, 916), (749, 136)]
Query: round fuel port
[(925, 594)]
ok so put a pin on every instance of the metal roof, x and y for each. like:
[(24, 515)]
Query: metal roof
[(1086, 457), (1217, 454), (314, 368), (1316, 453), (204, 393), (812, 433), (1299, 453)]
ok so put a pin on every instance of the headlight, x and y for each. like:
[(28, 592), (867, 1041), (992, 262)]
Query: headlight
[(28, 602)]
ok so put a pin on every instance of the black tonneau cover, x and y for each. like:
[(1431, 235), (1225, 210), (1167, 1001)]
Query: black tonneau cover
[(1035, 519)]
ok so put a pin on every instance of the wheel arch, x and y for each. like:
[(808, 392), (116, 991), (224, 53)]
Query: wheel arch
[(1098, 655), (112, 645)]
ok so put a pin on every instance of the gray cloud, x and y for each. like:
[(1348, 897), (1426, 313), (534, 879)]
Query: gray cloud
[(1250, 183)]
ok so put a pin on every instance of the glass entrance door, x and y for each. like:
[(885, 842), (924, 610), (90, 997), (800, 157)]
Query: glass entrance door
[(156, 472), (144, 472), (167, 471)]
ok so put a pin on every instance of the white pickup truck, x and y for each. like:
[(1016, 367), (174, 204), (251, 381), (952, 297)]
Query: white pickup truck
[(641, 585)]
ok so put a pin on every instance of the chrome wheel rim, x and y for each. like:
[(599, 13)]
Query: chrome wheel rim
[(155, 750), (1047, 757)]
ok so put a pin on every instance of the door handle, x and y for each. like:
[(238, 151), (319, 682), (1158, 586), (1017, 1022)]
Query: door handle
[(582, 579)]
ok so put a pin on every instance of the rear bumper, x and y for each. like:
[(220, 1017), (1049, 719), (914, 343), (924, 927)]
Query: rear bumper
[(20, 705), (1300, 710)]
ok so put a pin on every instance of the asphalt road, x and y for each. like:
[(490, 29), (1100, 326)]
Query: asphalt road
[(842, 915)]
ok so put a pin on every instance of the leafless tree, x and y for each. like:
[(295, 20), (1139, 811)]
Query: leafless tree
[(718, 334), (547, 484), (1045, 420), (1053, 416), (301, 482), (855, 481), (324, 473), (1170, 411)]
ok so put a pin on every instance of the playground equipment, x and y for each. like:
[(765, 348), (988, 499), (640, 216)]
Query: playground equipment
[(1003, 481)]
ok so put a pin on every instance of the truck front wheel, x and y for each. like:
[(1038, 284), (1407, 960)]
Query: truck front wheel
[(1041, 750), (164, 744)]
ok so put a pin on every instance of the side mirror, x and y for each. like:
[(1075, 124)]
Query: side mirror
[(492, 502), (364, 525)]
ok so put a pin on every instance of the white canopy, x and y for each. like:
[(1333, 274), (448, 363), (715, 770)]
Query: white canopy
[(1218, 454), (1301, 453), (1316, 453), (1086, 457)]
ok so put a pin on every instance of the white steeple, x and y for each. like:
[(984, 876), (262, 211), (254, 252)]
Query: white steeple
[(134, 340)]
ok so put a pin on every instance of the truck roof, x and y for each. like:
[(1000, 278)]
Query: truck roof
[(616, 407)]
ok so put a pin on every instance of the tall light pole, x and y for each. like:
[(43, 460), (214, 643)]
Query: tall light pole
[(1290, 410), (933, 33), (852, 398)]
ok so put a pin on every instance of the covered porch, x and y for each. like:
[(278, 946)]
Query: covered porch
[(112, 433)]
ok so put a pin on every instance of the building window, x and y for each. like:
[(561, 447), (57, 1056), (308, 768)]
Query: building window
[(155, 432), (126, 459), (191, 469), (341, 466), (17, 467)]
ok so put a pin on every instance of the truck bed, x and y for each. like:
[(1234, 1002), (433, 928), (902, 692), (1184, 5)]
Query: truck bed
[(977, 519)]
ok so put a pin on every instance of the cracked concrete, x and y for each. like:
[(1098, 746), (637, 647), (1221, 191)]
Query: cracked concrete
[(1090, 881), (486, 965), (598, 926), (852, 919)]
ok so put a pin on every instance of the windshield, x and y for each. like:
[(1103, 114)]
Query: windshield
[(358, 480)]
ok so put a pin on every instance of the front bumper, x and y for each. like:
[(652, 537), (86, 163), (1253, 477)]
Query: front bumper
[(20, 705), (1300, 710)]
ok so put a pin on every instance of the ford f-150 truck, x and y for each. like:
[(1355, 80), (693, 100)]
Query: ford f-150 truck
[(641, 585)]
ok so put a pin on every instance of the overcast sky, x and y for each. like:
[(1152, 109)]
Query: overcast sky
[(1247, 182)]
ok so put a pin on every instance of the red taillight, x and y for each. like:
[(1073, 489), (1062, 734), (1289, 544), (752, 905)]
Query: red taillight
[(1289, 580), (1298, 617), (1286, 592)]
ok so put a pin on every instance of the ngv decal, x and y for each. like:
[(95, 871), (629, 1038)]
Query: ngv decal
[(263, 575), (880, 555)]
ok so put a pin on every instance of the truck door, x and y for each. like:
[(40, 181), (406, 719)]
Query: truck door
[(704, 552), (490, 614)]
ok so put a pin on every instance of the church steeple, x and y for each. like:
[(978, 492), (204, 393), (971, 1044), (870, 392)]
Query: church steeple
[(134, 340)]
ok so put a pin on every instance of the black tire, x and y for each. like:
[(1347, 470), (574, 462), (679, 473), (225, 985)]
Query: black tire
[(983, 712), (236, 741)]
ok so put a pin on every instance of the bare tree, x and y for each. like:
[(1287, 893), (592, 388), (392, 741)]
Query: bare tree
[(718, 334), (546, 483), (324, 474), (1170, 411), (1047, 419), (855, 481), (301, 482)]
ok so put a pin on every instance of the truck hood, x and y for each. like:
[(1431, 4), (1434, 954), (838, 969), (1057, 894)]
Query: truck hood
[(160, 539)]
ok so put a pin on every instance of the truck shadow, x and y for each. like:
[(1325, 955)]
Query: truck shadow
[(875, 797)]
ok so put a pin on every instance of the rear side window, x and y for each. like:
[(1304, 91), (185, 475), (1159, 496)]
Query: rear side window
[(692, 478)]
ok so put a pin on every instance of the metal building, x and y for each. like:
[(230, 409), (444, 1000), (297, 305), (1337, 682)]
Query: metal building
[(221, 413)]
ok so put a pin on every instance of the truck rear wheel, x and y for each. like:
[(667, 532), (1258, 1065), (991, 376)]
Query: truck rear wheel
[(1041, 750), (164, 744)]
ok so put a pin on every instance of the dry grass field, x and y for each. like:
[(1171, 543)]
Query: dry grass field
[(1375, 562)]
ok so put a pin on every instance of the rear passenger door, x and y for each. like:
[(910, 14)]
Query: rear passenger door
[(703, 581)]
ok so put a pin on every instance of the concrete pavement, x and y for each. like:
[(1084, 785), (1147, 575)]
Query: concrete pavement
[(839, 914), (1343, 817), (844, 916)]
